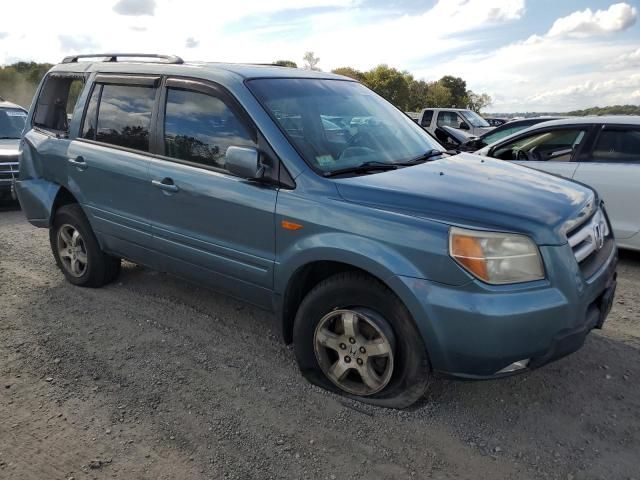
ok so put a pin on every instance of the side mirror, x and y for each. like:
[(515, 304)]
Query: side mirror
[(464, 126), (244, 162)]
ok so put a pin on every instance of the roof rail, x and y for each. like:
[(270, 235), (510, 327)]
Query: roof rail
[(113, 57)]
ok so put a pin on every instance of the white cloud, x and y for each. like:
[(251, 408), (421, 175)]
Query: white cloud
[(559, 58), (135, 7), (585, 23), (626, 60), (191, 42)]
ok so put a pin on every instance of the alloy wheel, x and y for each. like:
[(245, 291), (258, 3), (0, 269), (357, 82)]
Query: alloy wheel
[(72, 250), (353, 351)]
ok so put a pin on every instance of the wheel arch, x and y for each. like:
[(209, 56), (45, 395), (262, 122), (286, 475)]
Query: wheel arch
[(308, 274)]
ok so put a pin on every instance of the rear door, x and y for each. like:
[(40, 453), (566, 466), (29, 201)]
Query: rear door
[(613, 169), (552, 150), (108, 163), (208, 224)]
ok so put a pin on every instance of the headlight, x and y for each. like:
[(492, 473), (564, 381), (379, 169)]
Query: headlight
[(496, 258)]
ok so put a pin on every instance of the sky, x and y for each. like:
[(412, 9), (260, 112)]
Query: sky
[(529, 55)]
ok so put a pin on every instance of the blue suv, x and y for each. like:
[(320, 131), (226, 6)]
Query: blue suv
[(386, 259)]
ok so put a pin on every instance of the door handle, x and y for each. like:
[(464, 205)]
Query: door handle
[(78, 162), (165, 184)]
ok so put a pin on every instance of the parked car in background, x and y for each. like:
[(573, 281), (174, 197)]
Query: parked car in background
[(603, 152), (495, 122), (453, 138), (385, 259), (461, 118), (12, 121), (502, 131)]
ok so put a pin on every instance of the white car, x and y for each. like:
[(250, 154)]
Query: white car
[(603, 152)]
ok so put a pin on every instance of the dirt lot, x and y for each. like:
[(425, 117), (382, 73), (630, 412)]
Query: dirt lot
[(154, 378)]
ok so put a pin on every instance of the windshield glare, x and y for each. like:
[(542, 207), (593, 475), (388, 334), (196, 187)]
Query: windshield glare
[(12, 122), (337, 124), (474, 119)]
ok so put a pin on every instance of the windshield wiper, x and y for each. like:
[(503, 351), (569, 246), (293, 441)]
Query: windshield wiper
[(363, 168), (9, 138), (428, 155)]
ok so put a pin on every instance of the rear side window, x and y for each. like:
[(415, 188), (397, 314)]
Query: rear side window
[(57, 101), (426, 118), (123, 115), (618, 146), (200, 127)]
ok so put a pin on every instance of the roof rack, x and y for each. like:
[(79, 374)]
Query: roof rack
[(113, 57)]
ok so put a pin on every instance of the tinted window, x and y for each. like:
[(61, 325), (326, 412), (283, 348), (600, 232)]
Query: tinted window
[(199, 128), (91, 117), (449, 119), (124, 116), (498, 135), (554, 145), (12, 122), (621, 146), (427, 117)]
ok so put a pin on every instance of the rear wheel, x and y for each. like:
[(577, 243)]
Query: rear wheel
[(77, 252), (352, 335)]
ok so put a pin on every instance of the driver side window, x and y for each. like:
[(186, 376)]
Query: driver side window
[(448, 119), (549, 146)]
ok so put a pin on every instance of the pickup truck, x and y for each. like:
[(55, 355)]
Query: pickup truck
[(431, 118)]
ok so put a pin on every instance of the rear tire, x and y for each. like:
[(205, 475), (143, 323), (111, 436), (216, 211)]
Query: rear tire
[(357, 364), (77, 251)]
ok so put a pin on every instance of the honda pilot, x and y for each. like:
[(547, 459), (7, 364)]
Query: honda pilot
[(385, 259)]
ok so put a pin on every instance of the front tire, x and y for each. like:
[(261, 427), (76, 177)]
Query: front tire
[(77, 251), (353, 336)]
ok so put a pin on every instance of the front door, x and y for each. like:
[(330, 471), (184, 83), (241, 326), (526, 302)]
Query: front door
[(613, 169), (208, 224), (551, 150)]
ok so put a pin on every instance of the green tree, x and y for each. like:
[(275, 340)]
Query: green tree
[(418, 95), (286, 63), (477, 102), (438, 95), (350, 72), (311, 61), (390, 84), (458, 89)]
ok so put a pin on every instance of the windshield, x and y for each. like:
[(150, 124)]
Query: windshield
[(336, 124), (12, 122), (474, 119)]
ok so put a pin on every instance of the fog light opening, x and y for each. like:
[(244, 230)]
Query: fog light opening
[(519, 365)]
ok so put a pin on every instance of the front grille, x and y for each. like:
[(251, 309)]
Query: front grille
[(8, 170), (591, 243)]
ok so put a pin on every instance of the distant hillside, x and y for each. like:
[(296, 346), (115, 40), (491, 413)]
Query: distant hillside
[(611, 110), (18, 82)]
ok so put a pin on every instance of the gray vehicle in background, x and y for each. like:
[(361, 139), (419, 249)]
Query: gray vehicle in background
[(12, 120)]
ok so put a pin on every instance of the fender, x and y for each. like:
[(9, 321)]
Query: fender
[(37, 197), (366, 254)]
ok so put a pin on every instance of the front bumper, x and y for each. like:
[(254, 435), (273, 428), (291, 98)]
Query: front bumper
[(476, 330)]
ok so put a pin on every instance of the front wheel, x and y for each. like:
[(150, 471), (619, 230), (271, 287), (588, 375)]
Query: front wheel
[(77, 251), (352, 335)]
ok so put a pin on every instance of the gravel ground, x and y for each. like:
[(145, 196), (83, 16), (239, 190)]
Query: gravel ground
[(154, 378)]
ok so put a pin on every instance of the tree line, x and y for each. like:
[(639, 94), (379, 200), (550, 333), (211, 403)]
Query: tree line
[(403, 90)]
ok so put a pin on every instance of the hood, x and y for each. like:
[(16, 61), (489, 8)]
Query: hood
[(471, 191), (9, 146)]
